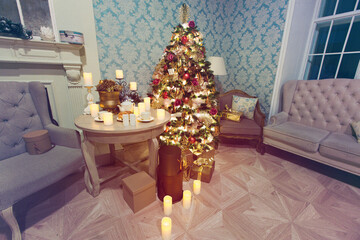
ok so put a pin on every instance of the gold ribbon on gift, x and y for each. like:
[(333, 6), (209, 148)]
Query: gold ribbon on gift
[(231, 115), (202, 163)]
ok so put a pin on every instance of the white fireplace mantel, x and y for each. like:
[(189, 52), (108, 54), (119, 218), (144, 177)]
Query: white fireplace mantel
[(14, 50)]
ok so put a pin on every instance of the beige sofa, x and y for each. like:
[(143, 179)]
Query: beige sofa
[(315, 122)]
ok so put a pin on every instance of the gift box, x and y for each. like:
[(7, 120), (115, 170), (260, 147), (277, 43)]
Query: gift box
[(229, 114), (187, 161), (37, 142), (203, 169), (139, 190)]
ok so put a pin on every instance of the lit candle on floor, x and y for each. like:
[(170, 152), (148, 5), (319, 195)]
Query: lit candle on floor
[(119, 74), (160, 114), (167, 205), (133, 86), (141, 107), (166, 228), (186, 199), (108, 118), (88, 79), (147, 104), (197, 187), (94, 110)]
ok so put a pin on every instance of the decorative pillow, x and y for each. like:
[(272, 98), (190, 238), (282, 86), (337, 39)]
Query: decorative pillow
[(245, 105), (356, 129)]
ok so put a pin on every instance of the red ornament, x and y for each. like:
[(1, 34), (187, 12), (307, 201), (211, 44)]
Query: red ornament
[(184, 40), (186, 76), (186, 100), (192, 140), (165, 95), (165, 68)]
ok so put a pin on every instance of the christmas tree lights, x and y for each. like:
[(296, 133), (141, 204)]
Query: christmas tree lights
[(183, 84)]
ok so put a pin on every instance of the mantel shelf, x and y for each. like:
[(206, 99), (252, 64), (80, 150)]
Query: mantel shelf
[(15, 50)]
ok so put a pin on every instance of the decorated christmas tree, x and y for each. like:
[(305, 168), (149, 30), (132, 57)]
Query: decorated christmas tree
[(183, 84)]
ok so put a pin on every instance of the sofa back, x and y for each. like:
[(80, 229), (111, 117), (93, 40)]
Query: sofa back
[(329, 104), (18, 115)]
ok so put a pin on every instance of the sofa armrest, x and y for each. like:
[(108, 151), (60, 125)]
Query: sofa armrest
[(63, 136), (259, 116), (279, 118)]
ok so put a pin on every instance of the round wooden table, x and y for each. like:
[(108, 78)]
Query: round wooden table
[(117, 133)]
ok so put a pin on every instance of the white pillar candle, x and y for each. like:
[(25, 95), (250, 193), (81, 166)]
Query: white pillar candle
[(88, 79), (132, 120), (160, 114), (166, 228), (141, 107), (197, 187), (136, 111), (108, 118), (167, 205), (186, 199), (126, 119), (133, 86), (147, 104), (94, 110), (119, 74)]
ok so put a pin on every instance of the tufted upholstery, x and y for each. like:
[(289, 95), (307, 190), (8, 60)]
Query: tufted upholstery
[(18, 116), (315, 122), (330, 104)]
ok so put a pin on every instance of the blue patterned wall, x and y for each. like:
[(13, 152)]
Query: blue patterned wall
[(132, 35)]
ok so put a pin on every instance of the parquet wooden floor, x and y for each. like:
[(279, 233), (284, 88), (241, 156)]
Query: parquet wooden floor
[(249, 197)]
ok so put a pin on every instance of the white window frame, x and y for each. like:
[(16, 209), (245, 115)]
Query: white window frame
[(52, 16), (331, 19)]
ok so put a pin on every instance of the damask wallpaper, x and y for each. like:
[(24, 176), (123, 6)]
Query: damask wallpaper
[(132, 35)]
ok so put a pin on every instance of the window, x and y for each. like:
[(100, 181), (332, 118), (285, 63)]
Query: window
[(335, 49), (33, 14)]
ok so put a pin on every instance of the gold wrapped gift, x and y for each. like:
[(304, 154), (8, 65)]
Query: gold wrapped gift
[(203, 169), (187, 161), (231, 115)]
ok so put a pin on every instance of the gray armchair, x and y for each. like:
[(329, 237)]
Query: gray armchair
[(23, 108)]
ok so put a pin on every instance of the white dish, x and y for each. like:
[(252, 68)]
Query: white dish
[(97, 119), (119, 119), (143, 120)]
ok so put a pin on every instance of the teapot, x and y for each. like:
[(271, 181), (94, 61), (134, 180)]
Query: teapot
[(126, 106)]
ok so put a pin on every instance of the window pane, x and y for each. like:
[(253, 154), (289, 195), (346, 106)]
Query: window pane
[(313, 66), (327, 8), (320, 37), (358, 7), (329, 66), (9, 10), (338, 35), (40, 18), (345, 6), (353, 43), (349, 64)]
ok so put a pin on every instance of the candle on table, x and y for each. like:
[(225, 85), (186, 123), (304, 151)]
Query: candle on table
[(133, 86), (141, 107), (186, 199), (147, 104), (167, 205), (160, 114), (126, 119), (88, 79), (119, 74), (136, 111), (197, 187), (108, 118), (166, 228), (132, 120), (94, 110)]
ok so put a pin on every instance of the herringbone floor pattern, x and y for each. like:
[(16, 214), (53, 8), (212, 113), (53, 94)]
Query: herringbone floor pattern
[(249, 197)]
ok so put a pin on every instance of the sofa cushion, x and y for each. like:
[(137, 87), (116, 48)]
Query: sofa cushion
[(245, 126), (244, 105), (342, 147), (25, 174), (297, 135)]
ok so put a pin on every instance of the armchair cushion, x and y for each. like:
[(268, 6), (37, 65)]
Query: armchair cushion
[(25, 174), (245, 105), (245, 126)]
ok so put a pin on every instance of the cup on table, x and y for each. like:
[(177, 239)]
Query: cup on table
[(125, 119), (132, 120), (145, 115)]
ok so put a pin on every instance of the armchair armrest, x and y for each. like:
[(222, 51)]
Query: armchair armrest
[(279, 118), (63, 136), (259, 117)]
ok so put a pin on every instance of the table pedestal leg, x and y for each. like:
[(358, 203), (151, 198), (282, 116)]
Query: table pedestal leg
[(91, 175), (153, 156)]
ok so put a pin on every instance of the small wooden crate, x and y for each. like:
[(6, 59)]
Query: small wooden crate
[(139, 190)]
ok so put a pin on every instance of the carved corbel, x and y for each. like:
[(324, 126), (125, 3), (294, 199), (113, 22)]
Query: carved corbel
[(73, 73)]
